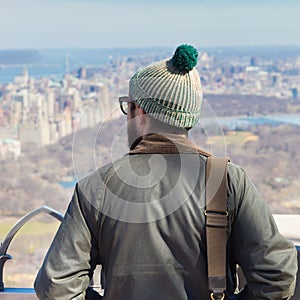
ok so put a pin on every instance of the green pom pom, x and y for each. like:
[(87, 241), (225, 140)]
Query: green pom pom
[(185, 58)]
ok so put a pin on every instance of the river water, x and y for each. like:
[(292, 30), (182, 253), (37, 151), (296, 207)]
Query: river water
[(246, 122)]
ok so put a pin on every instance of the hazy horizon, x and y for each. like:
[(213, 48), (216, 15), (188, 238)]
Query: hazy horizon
[(90, 24), (165, 47)]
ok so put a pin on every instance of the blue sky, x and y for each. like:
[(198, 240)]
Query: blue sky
[(141, 23)]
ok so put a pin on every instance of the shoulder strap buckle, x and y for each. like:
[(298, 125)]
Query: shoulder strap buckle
[(217, 296)]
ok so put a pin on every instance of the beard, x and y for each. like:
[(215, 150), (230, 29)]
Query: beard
[(133, 135)]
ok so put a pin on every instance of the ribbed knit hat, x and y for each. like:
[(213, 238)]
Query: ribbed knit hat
[(170, 90)]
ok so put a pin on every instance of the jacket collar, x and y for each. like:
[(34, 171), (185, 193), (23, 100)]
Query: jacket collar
[(164, 143)]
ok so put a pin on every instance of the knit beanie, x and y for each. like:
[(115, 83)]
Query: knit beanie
[(170, 90)]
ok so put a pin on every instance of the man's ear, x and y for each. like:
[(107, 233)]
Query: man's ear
[(140, 115), (139, 110)]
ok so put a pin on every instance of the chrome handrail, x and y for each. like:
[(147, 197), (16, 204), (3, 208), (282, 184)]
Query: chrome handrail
[(10, 235)]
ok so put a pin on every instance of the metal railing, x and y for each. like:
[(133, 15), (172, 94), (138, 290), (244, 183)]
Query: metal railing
[(20, 293), (29, 293)]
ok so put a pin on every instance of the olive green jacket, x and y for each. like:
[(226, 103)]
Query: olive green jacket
[(142, 219)]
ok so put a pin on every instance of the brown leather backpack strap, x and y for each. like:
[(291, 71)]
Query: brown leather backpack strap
[(216, 224)]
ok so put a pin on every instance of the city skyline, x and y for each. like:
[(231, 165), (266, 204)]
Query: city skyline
[(103, 24)]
